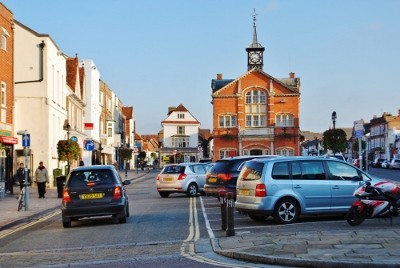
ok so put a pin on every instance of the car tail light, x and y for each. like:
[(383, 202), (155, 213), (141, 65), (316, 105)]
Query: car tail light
[(117, 193), (182, 176), (261, 190), (225, 177), (158, 177), (66, 197), (91, 184)]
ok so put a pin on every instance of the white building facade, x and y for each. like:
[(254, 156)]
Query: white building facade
[(181, 137), (39, 96)]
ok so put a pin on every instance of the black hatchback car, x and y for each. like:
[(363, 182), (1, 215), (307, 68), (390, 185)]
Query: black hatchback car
[(222, 177), (94, 191)]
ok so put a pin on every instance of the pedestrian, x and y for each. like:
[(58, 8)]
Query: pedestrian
[(81, 163), (42, 177), (21, 175), (116, 165)]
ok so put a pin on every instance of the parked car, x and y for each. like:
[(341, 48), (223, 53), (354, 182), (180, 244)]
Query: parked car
[(385, 164), (395, 163), (378, 162), (288, 187), (339, 156), (222, 177), (186, 178), (94, 191)]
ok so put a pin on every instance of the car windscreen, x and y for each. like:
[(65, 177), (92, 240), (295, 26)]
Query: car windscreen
[(173, 170), (82, 178), (222, 167)]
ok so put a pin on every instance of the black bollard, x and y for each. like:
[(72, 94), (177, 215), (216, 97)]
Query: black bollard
[(230, 209), (222, 200)]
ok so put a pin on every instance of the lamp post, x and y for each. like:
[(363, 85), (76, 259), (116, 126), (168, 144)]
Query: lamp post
[(334, 119), (26, 143), (67, 127)]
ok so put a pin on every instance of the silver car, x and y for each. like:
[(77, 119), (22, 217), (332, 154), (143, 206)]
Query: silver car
[(395, 163), (188, 178)]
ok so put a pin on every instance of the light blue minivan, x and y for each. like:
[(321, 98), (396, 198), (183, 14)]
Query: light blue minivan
[(287, 187)]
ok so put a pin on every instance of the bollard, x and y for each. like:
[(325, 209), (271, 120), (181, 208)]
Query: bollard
[(222, 200), (230, 207)]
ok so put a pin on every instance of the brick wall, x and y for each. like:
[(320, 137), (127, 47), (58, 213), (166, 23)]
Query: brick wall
[(6, 62)]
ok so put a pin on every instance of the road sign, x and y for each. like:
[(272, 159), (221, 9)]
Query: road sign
[(359, 128), (89, 145), (74, 138), (135, 149), (26, 140)]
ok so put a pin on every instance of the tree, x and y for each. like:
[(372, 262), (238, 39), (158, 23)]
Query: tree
[(335, 140), (68, 150)]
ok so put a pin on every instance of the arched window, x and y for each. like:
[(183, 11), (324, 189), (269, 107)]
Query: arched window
[(256, 108)]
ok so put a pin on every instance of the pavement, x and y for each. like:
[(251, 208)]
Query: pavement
[(377, 244)]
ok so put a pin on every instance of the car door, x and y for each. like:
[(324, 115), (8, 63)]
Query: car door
[(200, 174), (311, 185), (344, 179)]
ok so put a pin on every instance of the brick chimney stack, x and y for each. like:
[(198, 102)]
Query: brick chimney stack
[(219, 76)]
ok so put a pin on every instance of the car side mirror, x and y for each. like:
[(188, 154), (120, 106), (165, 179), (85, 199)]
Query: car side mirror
[(126, 182)]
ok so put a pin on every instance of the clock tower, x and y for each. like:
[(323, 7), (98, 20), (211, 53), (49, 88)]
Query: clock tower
[(255, 51)]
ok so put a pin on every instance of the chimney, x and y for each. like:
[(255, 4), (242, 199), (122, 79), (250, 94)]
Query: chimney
[(292, 75), (170, 109), (219, 76)]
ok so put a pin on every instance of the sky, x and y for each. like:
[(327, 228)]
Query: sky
[(157, 53)]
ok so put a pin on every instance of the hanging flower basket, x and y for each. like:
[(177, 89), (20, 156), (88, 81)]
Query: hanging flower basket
[(68, 150), (126, 153)]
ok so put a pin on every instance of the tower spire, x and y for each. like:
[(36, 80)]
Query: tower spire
[(255, 50), (255, 42)]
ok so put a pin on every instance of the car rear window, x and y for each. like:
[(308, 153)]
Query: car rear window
[(173, 169), (251, 171), (81, 178)]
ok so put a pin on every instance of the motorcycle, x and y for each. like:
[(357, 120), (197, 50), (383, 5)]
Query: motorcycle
[(374, 201)]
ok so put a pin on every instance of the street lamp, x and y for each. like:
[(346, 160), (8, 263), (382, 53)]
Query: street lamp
[(334, 131), (67, 127), (26, 143), (334, 119)]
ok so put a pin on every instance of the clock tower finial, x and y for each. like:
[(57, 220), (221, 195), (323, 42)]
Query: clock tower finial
[(255, 49)]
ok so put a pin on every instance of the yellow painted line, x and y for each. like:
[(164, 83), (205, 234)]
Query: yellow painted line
[(187, 247)]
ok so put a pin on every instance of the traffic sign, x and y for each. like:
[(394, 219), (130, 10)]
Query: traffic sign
[(74, 138), (26, 140), (89, 145)]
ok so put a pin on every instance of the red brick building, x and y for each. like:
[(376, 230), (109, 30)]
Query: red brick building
[(7, 136), (255, 113)]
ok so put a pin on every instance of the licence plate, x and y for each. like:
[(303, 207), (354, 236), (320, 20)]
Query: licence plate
[(168, 179), (92, 196), (212, 179), (244, 192)]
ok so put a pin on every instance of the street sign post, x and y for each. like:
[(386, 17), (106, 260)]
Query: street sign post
[(26, 142), (88, 145)]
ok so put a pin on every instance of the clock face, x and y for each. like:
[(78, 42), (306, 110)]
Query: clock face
[(255, 57)]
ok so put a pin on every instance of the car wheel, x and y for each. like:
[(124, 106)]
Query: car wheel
[(286, 211), (257, 217), (192, 190), (122, 217), (66, 222), (164, 194)]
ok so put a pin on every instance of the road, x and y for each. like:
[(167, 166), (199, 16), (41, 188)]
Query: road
[(160, 232), (393, 174)]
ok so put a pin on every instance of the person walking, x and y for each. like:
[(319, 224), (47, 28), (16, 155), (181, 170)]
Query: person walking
[(42, 177)]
